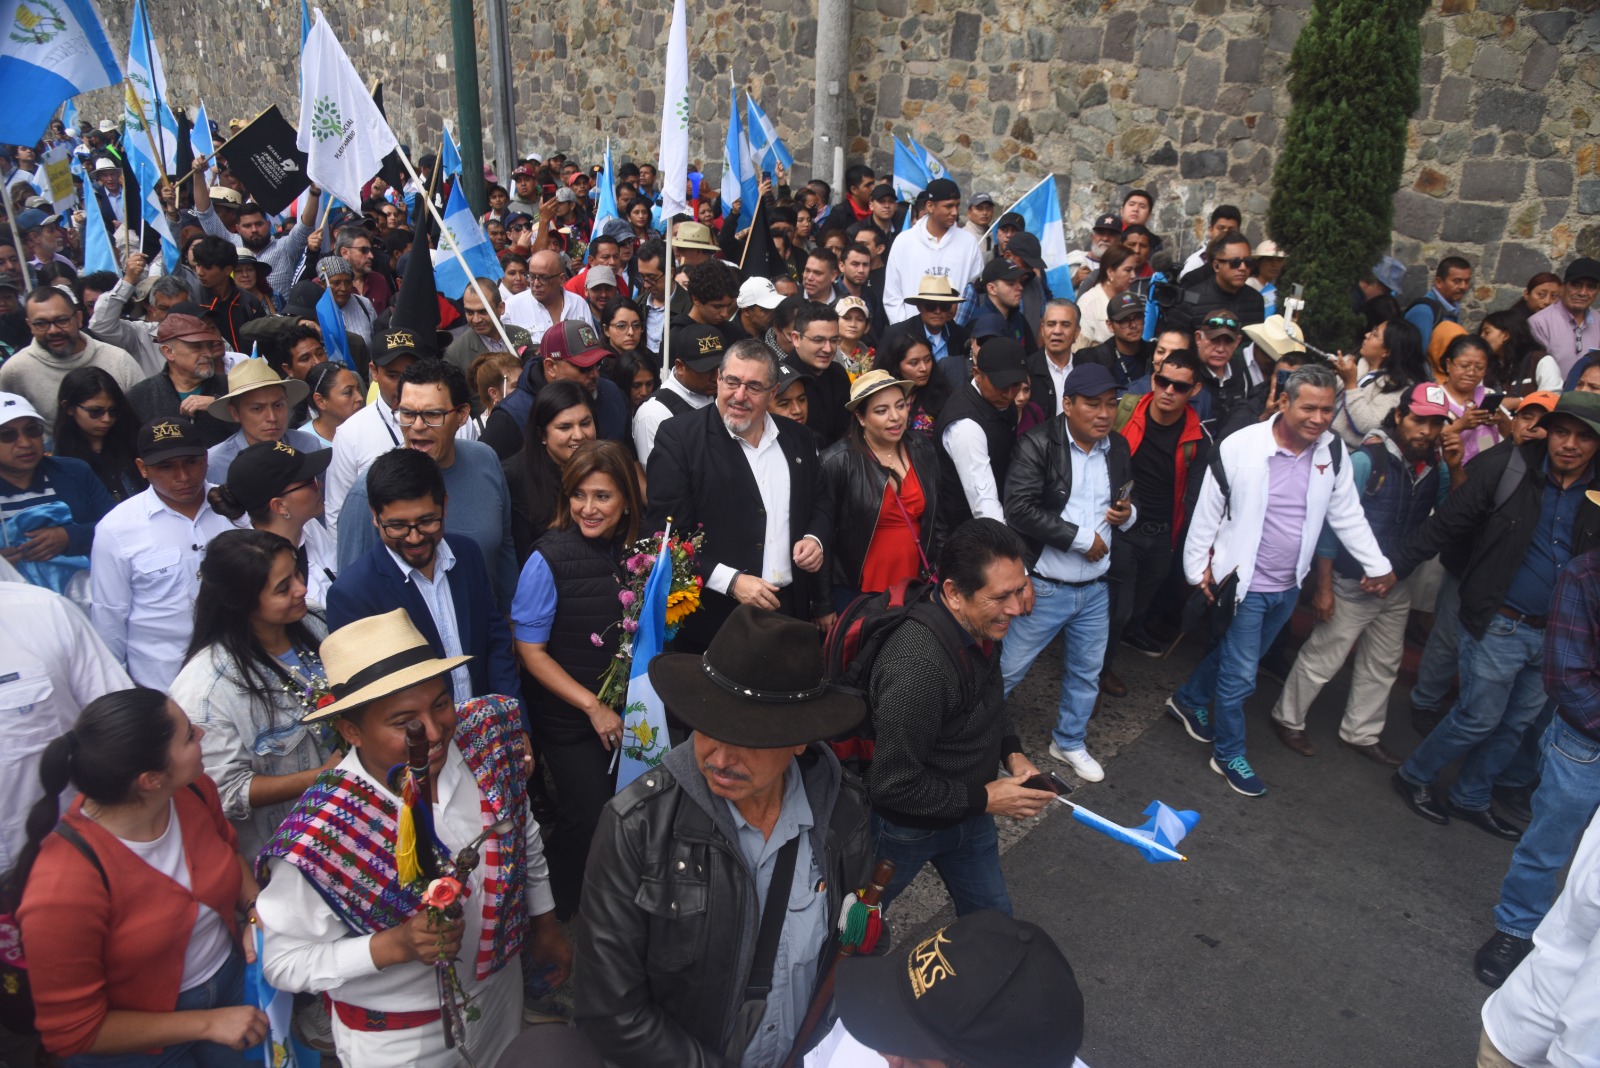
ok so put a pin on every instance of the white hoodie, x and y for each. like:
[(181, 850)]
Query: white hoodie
[(915, 253)]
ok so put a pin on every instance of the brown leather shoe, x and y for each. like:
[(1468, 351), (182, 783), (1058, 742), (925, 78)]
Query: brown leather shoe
[(1375, 753), (1112, 686), (1293, 740)]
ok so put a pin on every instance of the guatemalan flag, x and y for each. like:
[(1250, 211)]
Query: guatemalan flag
[(930, 163), (475, 248), (449, 156), (1040, 208), (1157, 838), (739, 180), (644, 717), (51, 53), (765, 144), (910, 171)]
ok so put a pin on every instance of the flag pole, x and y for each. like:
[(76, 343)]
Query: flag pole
[(22, 258), (1170, 854), (990, 232), (666, 316), (450, 239), (161, 166)]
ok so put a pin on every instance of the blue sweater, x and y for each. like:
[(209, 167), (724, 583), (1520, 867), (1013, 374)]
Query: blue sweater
[(72, 482), (477, 506)]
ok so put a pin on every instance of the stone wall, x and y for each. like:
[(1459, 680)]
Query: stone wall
[(1186, 97)]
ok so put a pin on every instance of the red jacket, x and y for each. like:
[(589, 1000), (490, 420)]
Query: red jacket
[(91, 951), (1189, 448)]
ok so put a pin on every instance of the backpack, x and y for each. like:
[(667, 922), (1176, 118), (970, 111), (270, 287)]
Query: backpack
[(672, 401), (1335, 449), (851, 650), (1435, 309)]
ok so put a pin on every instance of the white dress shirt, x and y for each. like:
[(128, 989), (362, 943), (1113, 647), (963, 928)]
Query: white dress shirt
[(51, 665), (1058, 375), (442, 607), (363, 438), (1086, 508), (522, 310), (652, 413), (771, 470), (308, 948), (968, 448), (143, 579), (322, 563)]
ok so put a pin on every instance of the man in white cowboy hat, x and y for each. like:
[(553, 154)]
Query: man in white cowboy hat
[(369, 943), (715, 879), (933, 320), (259, 401)]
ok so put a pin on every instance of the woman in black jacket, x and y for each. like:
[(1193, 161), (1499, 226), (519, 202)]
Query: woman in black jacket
[(882, 486), (561, 420), (567, 618)]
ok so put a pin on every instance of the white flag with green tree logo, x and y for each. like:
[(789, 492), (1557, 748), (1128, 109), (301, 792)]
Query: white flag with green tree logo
[(342, 132)]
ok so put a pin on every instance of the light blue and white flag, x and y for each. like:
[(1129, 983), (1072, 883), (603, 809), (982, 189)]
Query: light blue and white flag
[(98, 254), (449, 156), (765, 144), (910, 171), (1040, 209), (335, 341), (739, 178), (149, 80), (644, 717), (305, 23), (1157, 838), (51, 51), (148, 173), (605, 204), (281, 1048), (200, 136), (448, 274), (930, 163), (69, 116)]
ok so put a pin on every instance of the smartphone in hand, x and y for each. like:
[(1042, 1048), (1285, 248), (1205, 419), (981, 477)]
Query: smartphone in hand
[(1125, 491), (1049, 781), (1491, 402)]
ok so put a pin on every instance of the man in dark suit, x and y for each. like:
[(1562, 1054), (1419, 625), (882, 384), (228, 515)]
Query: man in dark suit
[(752, 480), (439, 579)]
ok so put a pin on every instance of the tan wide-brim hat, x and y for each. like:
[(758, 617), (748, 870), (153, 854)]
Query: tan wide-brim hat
[(1276, 336), (375, 657), (936, 288), (695, 235), (875, 382), (256, 374)]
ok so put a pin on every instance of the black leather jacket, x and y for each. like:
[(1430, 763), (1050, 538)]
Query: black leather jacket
[(1040, 482), (853, 486), (669, 913)]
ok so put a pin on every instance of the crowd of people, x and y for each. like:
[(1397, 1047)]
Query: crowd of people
[(255, 539)]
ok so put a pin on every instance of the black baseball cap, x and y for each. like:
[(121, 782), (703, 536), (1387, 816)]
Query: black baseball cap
[(1002, 361), (1582, 267), (1001, 269), (1108, 222), (403, 342), (987, 990), (1026, 248), (1125, 306), (943, 189), (884, 192), (1221, 322), (168, 438), (1011, 221), (264, 470), (698, 347)]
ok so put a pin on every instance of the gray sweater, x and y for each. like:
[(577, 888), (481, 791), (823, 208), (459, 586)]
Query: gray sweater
[(37, 375)]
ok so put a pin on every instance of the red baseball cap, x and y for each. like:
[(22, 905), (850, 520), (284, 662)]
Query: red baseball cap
[(1428, 399), (574, 341)]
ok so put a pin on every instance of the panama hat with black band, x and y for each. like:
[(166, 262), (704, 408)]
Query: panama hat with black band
[(375, 657), (759, 685), (250, 375)]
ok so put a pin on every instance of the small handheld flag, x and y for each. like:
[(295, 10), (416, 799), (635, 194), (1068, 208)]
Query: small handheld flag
[(1157, 838), (449, 156), (644, 716), (449, 274), (765, 144)]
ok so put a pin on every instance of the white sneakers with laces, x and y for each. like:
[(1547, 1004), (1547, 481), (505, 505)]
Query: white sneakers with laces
[(1079, 760)]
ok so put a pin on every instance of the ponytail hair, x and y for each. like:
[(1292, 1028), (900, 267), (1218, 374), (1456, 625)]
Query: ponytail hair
[(117, 738)]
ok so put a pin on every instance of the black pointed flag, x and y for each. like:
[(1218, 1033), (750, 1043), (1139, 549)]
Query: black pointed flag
[(183, 161), (416, 306), (263, 156), (756, 255), (392, 171)]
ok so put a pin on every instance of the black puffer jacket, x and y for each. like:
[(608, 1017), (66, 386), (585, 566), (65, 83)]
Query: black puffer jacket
[(853, 487), (669, 912), (588, 577)]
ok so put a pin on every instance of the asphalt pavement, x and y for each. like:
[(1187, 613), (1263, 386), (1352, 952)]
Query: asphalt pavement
[(1320, 925)]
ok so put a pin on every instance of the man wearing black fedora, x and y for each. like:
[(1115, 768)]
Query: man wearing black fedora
[(715, 879)]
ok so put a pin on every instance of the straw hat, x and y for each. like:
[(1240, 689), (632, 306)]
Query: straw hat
[(1269, 250), (695, 235), (873, 382), (1277, 336), (936, 288), (255, 374), (375, 657)]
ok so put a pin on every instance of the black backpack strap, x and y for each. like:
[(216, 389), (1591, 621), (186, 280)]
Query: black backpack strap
[(77, 841), (673, 403), (1220, 473), (1516, 470), (773, 912)]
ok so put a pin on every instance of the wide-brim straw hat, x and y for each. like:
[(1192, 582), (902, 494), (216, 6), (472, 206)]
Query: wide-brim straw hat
[(875, 382), (375, 657), (695, 235), (936, 288), (1277, 336), (256, 374)]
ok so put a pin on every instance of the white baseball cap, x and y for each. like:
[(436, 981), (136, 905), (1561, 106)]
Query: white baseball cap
[(759, 293), (14, 406)]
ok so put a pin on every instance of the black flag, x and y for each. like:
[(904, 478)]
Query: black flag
[(755, 253), (392, 171), (416, 306), (183, 161), (263, 156)]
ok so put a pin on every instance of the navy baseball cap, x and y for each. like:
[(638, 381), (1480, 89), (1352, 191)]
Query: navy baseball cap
[(1088, 380)]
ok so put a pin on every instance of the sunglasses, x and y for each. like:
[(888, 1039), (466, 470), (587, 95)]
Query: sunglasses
[(32, 429), (1163, 382), (1239, 261)]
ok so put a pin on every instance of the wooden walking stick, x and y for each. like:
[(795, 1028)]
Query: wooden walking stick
[(859, 930)]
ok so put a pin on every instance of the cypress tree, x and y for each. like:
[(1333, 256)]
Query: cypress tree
[(1355, 80)]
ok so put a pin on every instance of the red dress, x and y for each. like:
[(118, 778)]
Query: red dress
[(894, 552)]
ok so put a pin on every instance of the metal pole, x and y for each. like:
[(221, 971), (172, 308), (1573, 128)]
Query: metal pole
[(467, 107), (833, 74), (501, 99)]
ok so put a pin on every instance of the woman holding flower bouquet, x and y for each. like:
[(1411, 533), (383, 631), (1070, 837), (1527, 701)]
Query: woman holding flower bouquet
[(250, 675), (567, 618)]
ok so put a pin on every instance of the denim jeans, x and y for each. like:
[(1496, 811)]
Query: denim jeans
[(1437, 668), (1523, 770), (1502, 693), (1082, 615), (1226, 678), (222, 990), (966, 856), (1563, 805)]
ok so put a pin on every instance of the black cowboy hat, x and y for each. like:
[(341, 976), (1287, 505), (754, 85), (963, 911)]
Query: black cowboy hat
[(760, 684)]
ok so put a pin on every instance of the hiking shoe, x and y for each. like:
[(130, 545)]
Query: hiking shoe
[(1240, 776), (1143, 643), (1079, 760), (1196, 721)]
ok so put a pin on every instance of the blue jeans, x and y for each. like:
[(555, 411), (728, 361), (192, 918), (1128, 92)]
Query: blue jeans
[(966, 856), (222, 990), (1437, 668), (1524, 767), (1502, 693), (1226, 678), (1563, 805), (1082, 614)]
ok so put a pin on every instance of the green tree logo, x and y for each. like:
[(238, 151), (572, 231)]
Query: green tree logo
[(326, 122)]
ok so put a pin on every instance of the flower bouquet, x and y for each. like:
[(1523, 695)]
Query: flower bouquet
[(683, 599)]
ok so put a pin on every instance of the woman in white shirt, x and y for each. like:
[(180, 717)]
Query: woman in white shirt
[(1118, 268), (252, 672), (1390, 362), (280, 489)]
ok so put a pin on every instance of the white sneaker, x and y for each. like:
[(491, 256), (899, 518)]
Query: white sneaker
[(311, 1025), (1079, 760)]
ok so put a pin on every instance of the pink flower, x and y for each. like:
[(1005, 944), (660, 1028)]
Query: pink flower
[(630, 625), (442, 893), (627, 598), (596, 640)]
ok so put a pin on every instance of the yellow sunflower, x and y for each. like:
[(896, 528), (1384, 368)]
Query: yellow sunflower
[(681, 604)]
